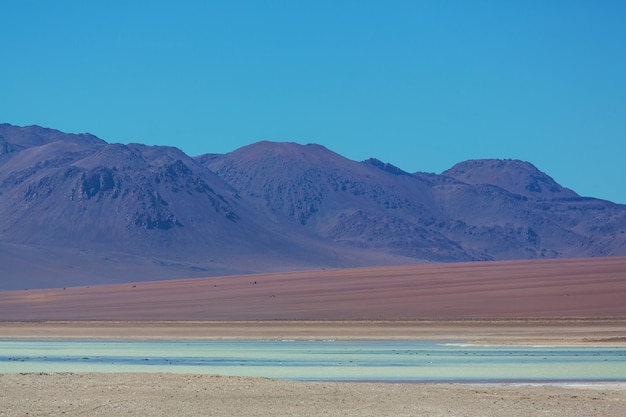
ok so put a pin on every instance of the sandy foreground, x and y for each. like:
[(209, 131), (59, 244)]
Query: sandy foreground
[(200, 395)]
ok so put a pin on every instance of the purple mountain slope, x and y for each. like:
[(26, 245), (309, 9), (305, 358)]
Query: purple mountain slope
[(521, 214), (76, 210), (352, 203)]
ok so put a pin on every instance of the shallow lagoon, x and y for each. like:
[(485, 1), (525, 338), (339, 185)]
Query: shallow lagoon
[(406, 361)]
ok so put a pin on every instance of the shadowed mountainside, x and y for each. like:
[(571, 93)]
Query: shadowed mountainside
[(76, 210)]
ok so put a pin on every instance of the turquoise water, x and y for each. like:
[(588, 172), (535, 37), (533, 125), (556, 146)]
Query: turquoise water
[(405, 361)]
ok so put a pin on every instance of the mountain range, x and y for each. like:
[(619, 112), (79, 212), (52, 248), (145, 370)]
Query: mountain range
[(76, 210)]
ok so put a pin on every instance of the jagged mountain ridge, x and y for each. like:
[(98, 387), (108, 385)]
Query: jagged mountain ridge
[(270, 206)]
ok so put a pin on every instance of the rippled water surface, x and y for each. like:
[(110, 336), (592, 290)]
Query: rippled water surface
[(407, 361)]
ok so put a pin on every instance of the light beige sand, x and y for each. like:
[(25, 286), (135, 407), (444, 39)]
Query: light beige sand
[(196, 395)]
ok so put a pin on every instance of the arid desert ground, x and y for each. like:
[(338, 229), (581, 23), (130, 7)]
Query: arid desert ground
[(547, 289), (570, 301), (202, 395)]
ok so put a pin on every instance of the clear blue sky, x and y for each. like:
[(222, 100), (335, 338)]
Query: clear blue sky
[(419, 84)]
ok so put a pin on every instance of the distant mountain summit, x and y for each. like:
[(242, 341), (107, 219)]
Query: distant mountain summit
[(19, 138), (514, 176), (76, 209)]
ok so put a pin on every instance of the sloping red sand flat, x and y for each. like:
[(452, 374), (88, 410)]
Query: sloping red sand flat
[(589, 288)]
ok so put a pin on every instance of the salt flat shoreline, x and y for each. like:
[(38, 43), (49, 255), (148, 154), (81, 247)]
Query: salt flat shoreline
[(566, 331), (105, 394)]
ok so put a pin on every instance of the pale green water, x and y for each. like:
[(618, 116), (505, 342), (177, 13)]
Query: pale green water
[(408, 361)]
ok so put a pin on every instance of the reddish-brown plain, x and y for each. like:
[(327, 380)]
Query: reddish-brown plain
[(585, 288), (570, 288), (552, 301)]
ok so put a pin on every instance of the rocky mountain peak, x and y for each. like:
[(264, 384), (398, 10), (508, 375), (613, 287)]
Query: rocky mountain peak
[(517, 177), (31, 136)]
